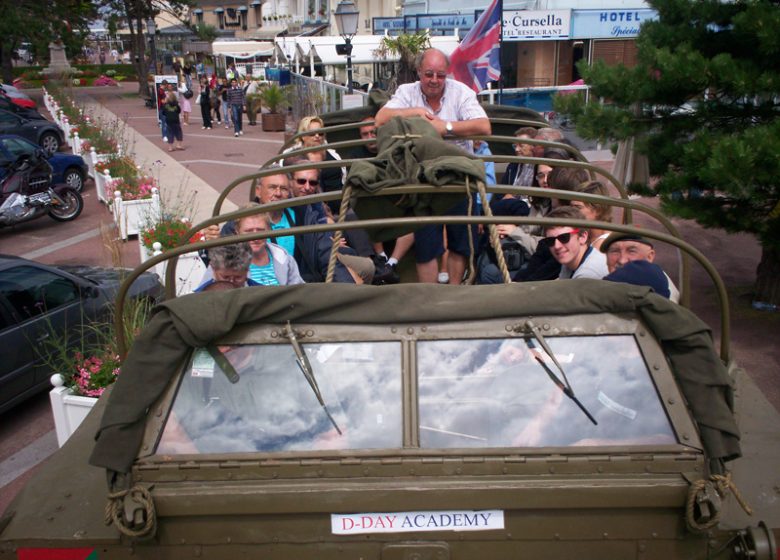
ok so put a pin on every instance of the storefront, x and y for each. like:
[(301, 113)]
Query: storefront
[(609, 35), (536, 49)]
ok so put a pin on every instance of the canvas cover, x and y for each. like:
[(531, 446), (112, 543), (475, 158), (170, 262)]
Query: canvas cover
[(196, 320)]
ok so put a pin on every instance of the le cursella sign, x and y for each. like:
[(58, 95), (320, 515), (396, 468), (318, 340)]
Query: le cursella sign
[(536, 25)]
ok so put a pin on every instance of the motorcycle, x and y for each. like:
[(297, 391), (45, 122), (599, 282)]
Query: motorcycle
[(26, 193)]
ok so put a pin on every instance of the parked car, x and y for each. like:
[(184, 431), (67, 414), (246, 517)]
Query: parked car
[(66, 168), (36, 300), (21, 99), (47, 135), (7, 104)]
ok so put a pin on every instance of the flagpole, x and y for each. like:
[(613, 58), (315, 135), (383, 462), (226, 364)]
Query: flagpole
[(500, 49)]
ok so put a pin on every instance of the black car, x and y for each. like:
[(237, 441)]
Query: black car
[(66, 168), (37, 300), (47, 135)]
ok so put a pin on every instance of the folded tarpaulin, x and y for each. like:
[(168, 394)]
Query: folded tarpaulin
[(411, 152)]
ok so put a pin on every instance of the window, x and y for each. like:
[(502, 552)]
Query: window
[(33, 291), (269, 405), (17, 147), (494, 393)]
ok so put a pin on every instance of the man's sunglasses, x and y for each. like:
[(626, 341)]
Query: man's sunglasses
[(312, 182), (430, 74), (564, 238)]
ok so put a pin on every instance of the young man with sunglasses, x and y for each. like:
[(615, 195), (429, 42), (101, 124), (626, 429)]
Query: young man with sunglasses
[(570, 246)]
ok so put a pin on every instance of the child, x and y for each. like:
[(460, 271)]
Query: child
[(171, 111)]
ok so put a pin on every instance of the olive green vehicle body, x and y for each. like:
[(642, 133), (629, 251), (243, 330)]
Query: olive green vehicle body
[(594, 497)]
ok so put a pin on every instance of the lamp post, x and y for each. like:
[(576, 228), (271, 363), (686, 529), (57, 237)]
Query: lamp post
[(151, 28), (347, 16)]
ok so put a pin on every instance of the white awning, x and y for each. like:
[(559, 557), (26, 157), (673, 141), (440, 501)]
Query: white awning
[(364, 49), (242, 49)]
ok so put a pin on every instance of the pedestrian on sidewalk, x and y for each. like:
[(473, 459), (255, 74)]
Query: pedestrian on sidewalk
[(204, 99), (162, 92), (171, 112), (223, 89), (186, 106), (236, 99), (187, 70)]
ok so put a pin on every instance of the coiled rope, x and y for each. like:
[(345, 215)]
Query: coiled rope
[(722, 484), (115, 506), (346, 195)]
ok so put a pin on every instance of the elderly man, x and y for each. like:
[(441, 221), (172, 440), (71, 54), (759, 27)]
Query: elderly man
[(623, 248), (453, 110), (229, 263), (571, 247), (271, 265)]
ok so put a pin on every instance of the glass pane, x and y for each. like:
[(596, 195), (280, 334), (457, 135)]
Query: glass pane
[(33, 291), (271, 407), (493, 393)]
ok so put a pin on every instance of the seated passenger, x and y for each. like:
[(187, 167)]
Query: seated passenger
[(229, 263), (622, 248), (271, 265), (571, 248), (521, 174)]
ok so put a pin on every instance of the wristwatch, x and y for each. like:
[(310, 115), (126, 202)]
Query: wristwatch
[(448, 127)]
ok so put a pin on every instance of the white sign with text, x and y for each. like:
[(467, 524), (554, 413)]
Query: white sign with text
[(416, 521)]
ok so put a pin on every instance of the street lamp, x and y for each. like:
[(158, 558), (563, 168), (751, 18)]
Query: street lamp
[(347, 16), (151, 28)]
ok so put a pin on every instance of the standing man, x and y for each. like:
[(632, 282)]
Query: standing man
[(453, 110), (235, 100), (162, 93)]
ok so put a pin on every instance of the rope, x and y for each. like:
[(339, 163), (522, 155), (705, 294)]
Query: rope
[(472, 271), (116, 503), (346, 194), (698, 493), (495, 240)]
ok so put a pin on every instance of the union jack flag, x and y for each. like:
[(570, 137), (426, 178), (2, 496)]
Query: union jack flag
[(476, 61)]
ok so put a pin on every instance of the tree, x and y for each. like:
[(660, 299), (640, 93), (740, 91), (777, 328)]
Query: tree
[(407, 47), (703, 104), (27, 21), (205, 32), (135, 13)]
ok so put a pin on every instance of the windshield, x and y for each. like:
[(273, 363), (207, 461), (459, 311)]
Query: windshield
[(494, 393), (268, 405)]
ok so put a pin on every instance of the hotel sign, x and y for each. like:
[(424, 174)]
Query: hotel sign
[(530, 25), (609, 24)]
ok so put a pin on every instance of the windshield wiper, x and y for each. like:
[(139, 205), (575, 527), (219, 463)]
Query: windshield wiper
[(564, 385), (303, 362)]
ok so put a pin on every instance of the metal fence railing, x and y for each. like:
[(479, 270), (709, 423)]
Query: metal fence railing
[(536, 98), (315, 96)]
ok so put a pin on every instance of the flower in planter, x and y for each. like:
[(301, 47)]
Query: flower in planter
[(117, 167), (169, 232), (133, 188), (94, 373)]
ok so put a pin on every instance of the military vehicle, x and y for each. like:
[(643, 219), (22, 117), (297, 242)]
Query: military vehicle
[(583, 419)]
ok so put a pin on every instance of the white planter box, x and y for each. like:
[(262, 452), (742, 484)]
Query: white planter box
[(190, 269), (69, 410), (131, 215), (93, 158)]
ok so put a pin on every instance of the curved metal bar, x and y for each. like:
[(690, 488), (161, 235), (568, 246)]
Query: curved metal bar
[(325, 130), (303, 151), (430, 220)]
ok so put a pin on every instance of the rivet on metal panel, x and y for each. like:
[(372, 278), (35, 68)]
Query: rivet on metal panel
[(656, 367), (557, 536), (600, 469), (310, 333), (424, 329), (320, 473), (686, 437), (509, 535), (671, 400), (552, 470), (275, 539), (505, 470), (275, 475), (411, 472), (641, 333), (230, 475), (546, 326), (458, 471), (654, 535), (642, 547), (393, 330), (228, 540), (410, 330), (146, 447), (159, 412), (274, 334), (67, 494), (508, 328), (183, 541), (50, 518), (605, 535), (197, 552)]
